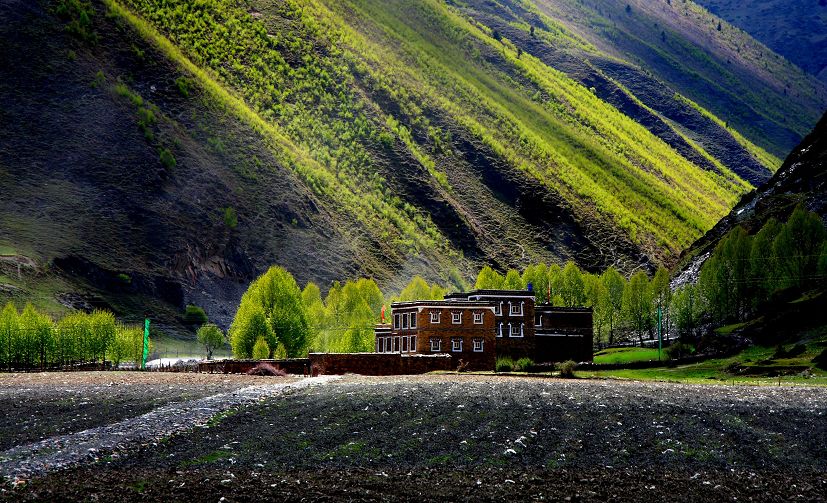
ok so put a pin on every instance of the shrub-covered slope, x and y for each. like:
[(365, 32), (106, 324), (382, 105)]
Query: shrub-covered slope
[(176, 149)]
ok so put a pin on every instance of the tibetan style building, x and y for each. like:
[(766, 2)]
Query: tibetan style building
[(476, 327)]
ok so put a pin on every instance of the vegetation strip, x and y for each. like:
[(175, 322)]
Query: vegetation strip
[(21, 463)]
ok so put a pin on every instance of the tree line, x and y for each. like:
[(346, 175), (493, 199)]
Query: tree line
[(279, 319), (32, 339)]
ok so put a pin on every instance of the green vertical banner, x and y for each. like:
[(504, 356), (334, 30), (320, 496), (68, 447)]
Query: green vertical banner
[(146, 343)]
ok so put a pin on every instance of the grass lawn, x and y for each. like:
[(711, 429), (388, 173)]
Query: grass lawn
[(626, 355)]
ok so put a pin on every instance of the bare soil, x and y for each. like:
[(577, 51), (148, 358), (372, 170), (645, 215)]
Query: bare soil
[(479, 438), (39, 405)]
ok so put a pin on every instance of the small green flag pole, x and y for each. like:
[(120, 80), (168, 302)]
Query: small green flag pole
[(146, 343), (660, 342)]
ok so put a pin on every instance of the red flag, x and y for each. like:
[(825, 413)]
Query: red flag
[(383, 314)]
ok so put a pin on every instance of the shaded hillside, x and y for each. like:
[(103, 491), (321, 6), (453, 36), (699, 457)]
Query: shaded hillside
[(795, 29), (801, 180), (157, 152)]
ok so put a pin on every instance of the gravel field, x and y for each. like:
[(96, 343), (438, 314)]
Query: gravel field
[(482, 438)]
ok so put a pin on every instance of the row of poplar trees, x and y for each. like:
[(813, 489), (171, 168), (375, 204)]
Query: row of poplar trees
[(32, 339)]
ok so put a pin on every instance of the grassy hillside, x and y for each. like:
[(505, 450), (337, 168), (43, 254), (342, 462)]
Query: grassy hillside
[(180, 148)]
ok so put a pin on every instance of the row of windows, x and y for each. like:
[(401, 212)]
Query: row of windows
[(512, 329), (408, 320), (456, 345), (514, 309), (402, 344)]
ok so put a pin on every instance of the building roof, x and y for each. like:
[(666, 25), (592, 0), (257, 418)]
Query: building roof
[(441, 303), (490, 293)]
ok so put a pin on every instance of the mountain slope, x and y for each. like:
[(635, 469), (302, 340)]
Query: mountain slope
[(795, 29), (178, 148)]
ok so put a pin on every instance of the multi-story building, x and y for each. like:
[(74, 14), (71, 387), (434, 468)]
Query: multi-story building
[(480, 325), (464, 330)]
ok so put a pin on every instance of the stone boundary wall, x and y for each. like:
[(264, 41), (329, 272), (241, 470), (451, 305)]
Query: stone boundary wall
[(295, 366)]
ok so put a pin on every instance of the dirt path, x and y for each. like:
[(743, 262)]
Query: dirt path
[(21, 463)]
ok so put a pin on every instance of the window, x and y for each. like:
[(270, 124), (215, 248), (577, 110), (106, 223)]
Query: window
[(478, 318), (515, 330), (378, 345), (413, 320), (456, 318), (396, 321), (516, 309), (405, 320), (434, 316), (456, 344), (538, 322), (396, 344), (404, 344), (478, 345), (500, 330), (498, 309), (413, 344), (436, 345), (387, 344)]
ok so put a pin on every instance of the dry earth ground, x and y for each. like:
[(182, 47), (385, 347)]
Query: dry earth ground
[(473, 438)]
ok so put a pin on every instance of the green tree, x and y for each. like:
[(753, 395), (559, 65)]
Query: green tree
[(555, 283), (211, 337), (615, 285), (513, 280), (419, 289), (314, 305), (243, 336), (637, 302), (572, 287), (489, 279), (9, 334), (797, 248), (537, 275), (101, 333), (686, 309), (661, 297), (597, 297), (725, 276), (37, 330), (762, 269), (261, 350), (275, 297)]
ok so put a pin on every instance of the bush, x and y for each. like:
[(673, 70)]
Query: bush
[(523, 364), (794, 351), (167, 159), (230, 217), (261, 350), (678, 350), (567, 369), (504, 364), (265, 369), (194, 315)]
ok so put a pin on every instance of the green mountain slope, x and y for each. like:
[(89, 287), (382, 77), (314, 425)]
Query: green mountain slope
[(181, 147)]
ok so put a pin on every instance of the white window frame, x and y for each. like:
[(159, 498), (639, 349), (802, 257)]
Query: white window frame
[(412, 344), (456, 348), (378, 343), (388, 345), (435, 315), (396, 344), (478, 318), (479, 345), (500, 330), (404, 346), (412, 323), (396, 321), (513, 311), (539, 321), (512, 330), (436, 345), (456, 318), (498, 309), (404, 321)]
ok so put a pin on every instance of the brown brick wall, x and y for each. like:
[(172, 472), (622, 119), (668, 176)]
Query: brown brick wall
[(378, 364)]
